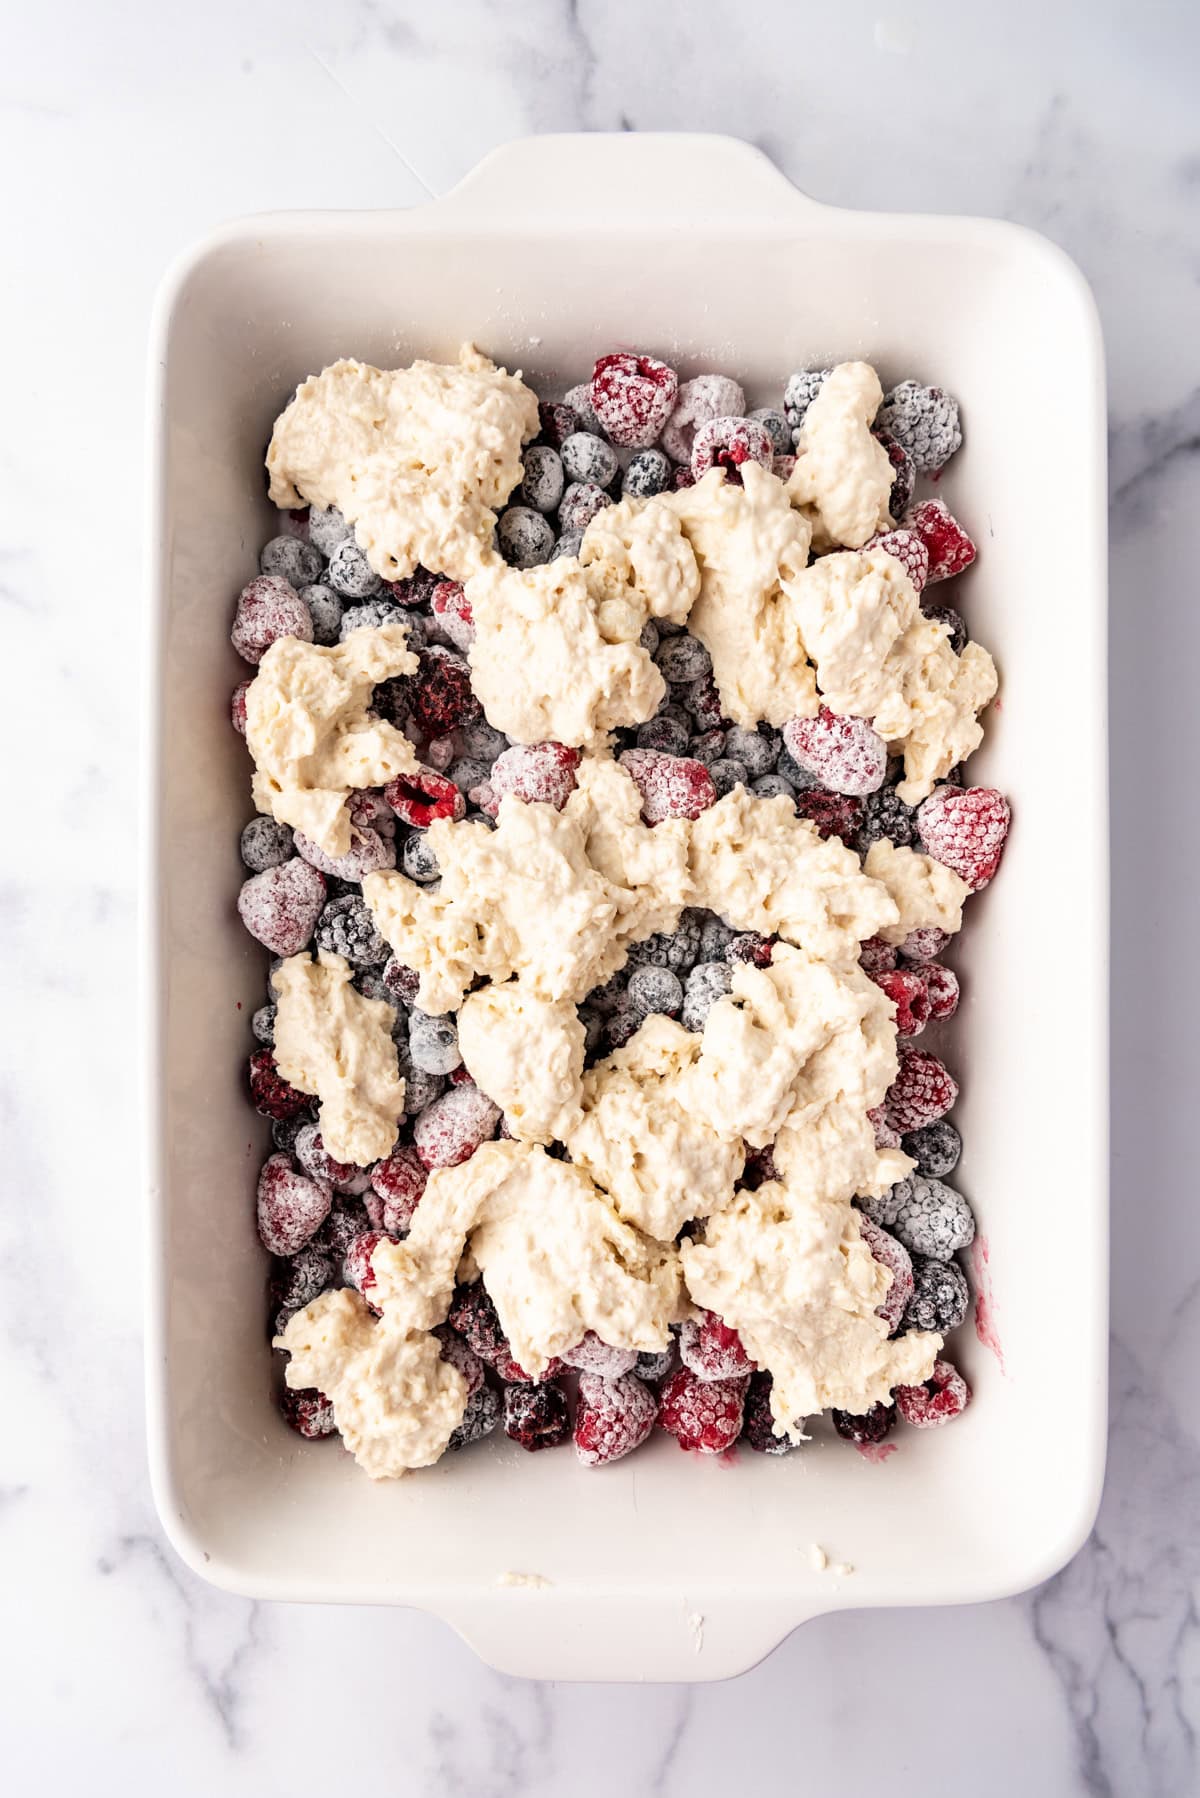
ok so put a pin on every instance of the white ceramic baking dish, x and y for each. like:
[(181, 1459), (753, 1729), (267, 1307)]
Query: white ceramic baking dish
[(698, 249)]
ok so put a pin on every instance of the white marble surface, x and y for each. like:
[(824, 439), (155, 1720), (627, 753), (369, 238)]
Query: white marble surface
[(126, 131)]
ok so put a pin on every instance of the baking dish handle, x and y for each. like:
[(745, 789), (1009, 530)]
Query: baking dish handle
[(638, 175)]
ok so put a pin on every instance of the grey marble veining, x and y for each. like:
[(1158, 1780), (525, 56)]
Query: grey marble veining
[(127, 132)]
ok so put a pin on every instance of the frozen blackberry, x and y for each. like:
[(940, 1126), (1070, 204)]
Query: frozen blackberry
[(566, 545), (715, 937), (924, 422), (871, 1427), (677, 951), (618, 1027), (935, 1148), (266, 844), (478, 1420), (885, 814), (543, 481), (665, 734), (683, 659), (772, 786), (757, 750), (904, 475), (707, 982), (347, 928), (586, 457), (654, 1364), (350, 574), (580, 504), (536, 1416), (758, 1422), (370, 617), (325, 609), (959, 635), (940, 1296), (931, 1218), (524, 537), (327, 528), (646, 474), (653, 988), (799, 394), (727, 774), (433, 1043), (297, 562), (296, 1280), (263, 1025)]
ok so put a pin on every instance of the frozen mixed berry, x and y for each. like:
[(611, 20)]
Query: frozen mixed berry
[(578, 401), (592, 1355), (569, 544), (326, 611), (347, 1219), (420, 797), (293, 561), (698, 401), (701, 701), (442, 698), (924, 422), (711, 1349), (947, 545), (904, 474), (682, 659), (714, 938), (906, 989), (931, 1217), (727, 443), (891, 1253), (801, 390), (308, 1412), (633, 396), (707, 982), (792, 772), (677, 949), (266, 844), (370, 851), (262, 1025), (478, 1420), (433, 1043), (671, 786), (908, 549), (702, 1414), (944, 1396), (846, 754), (760, 1169), (758, 1420), (940, 1296), (614, 1417), (586, 457), (936, 1148), (957, 634), (280, 906), (833, 814), (542, 480), (538, 773), (876, 956), (284, 1130), (451, 1129), (556, 421), (414, 591), (886, 815), (343, 1176), (420, 1089), (473, 1315), (347, 928), (327, 528), (727, 774), (536, 1416), (356, 1267), (757, 750), (524, 537), (418, 858), (646, 474), (580, 504), (654, 989), (350, 574), (965, 829), (752, 947), (924, 944), (291, 1207), (772, 786), (455, 1350), (268, 608), (619, 1026), (923, 1091), (397, 1182), (885, 1136), (941, 983), (665, 734), (452, 610), (370, 617), (775, 424), (296, 1280), (866, 1429), (783, 468), (403, 983), (237, 707), (654, 1364), (681, 478)]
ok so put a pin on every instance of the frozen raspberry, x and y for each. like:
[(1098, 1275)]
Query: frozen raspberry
[(268, 608), (270, 1092), (538, 773), (478, 1420), (414, 591), (422, 796), (925, 944), (758, 1422), (237, 707), (557, 421), (654, 1364), (310, 1151), (886, 815), (592, 1356), (759, 1169), (296, 1280), (398, 1182), (965, 828), (451, 1129), (452, 609), (633, 397), (871, 1427), (580, 504), (697, 402), (460, 1355), (711, 1350), (646, 474), (931, 1218), (542, 478), (834, 814), (524, 537), (940, 1296), (671, 786), (614, 1417), (908, 549), (935, 1149), (291, 1207), (783, 468), (846, 754), (749, 946), (924, 422), (356, 1268), (370, 850), (402, 982), (682, 477), (876, 956), (944, 1396), (941, 984), (347, 928), (703, 1414), (885, 1136), (618, 1028), (653, 989), (441, 693), (727, 443), (536, 1416), (308, 1412), (892, 1254), (906, 989), (280, 906), (947, 545), (800, 392), (922, 1092)]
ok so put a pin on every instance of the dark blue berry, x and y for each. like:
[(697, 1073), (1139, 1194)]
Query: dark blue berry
[(727, 774), (326, 529), (580, 504), (772, 786), (524, 537), (940, 1296), (776, 425), (935, 1148), (757, 750), (536, 1416), (350, 574), (418, 860), (543, 481), (347, 928), (959, 635), (296, 562), (758, 1424), (325, 609), (589, 458), (263, 1026), (664, 733), (683, 659), (478, 1420), (433, 1043), (646, 474), (370, 617), (266, 844), (931, 1218)]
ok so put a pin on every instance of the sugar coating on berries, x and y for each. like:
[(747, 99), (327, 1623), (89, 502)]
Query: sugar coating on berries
[(666, 735), (936, 1148), (633, 397), (592, 1356), (433, 1043), (524, 537), (891, 1253), (671, 786), (356, 1267), (705, 1415), (846, 754), (424, 795), (940, 1296), (456, 1351), (682, 659), (580, 504), (350, 574), (398, 1182), (296, 1280), (699, 400), (729, 442), (537, 773), (758, 1420), (370, 617), (556, 421), (931, 1217), (451, 1129), (941, 984), (866, 1428), (885, 1136), (654, 1364), (268, 608), (308, 1412), (614, 1416), (947, 545), (653, 989), (924, 422), (965, 828), (711, 1349), (944, 1396), (924, 944), (586, 457), (418, 858), (876, 956), (908, 549), (923, 1091), (536, 1417), (752, 947), (291, 1207), (907, 991), (801, 390), (280, 906)]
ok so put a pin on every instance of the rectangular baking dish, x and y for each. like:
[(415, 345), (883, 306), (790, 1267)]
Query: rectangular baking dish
[(698, 249)]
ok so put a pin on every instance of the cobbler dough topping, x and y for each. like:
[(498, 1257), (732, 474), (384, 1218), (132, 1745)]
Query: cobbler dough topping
[(794, 1278), (417, 459), (526, 1054), (842, 478), (646, 868), (640, 564), (660, 1162), (762, 868), (312, 735), (926, 892), (395, 1401), (331, 1041)]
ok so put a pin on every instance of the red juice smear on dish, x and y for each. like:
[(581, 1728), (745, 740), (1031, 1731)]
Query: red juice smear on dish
[(985, 1304), (876, 1452)]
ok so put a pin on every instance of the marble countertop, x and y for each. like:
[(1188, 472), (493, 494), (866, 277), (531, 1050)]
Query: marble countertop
[(126, 133)]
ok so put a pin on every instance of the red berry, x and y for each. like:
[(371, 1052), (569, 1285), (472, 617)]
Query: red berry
[(280, 906), (268, 608), (908, 548), (308, 1412), (834, 814), (291, 1207), (536, 1416), (925, 944), (452, 609), (422, 796), (945, 1395), (846, 754), (922, 1092), (557, 421), (941, 984), (885, 1136), (783, 468), (702, 1414), (750, 947), (965, 829), (237, 707), (613, 1418), (727, 443), (671, 786), (701, 699), (910, 996), (538, 773), (876, 956), (404, 982), (450, 1129), (398, 1183), (592, 1356), (271, 1095), (871, 1427), (895, 1257), (357, 1267), (416, 589), (310, 1151), (947, 545), (682, 477), (442, 698), (711, 1350), (633, 397)]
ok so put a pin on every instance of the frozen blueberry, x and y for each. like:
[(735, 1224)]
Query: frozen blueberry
[(479, 738), (420, 1088), (468, 772), (772, 786), (886, 815), (589, 458), (663, 733), (418, 859), (931, 1218), (654, 1364), (284, 1131), (372, 985), (940, 1296), (646, 474), (708, 747), (433, 1043), (793, 773), (266, 844), (924, 422), (263, 1025), (347, 928), (707, 982), (579, 399), (580, 504), (649, 637), (715, 938), (479, 1419), (349, 572), (297, 562), (543, 481), (524, 537), (653, 988), (802, 389), (566, 545), (757, 750), (776, 426), (326, 529), (370, 617), (727, 774), (325, 607), (683, 659), (935, 1148), (947, 615)]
